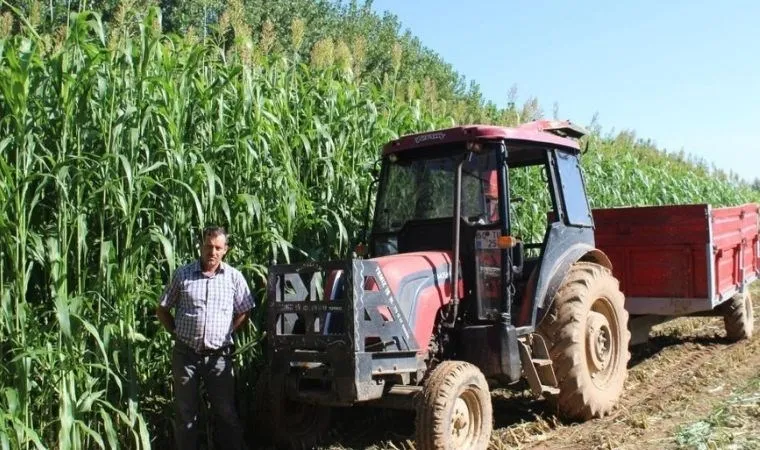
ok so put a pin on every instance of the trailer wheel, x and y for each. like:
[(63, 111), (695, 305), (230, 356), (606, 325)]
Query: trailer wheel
[(586, 331), (288, 424), (454, 410), (738, 317)]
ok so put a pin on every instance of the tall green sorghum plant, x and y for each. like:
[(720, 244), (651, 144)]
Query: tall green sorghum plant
[(118, 144)]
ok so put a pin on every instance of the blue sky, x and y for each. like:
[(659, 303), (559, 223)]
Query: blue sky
[(685, 74)]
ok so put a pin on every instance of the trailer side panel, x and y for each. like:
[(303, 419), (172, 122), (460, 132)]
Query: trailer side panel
[(679, 259)]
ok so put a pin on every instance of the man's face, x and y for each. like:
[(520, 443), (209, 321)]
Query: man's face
[(212, 251)]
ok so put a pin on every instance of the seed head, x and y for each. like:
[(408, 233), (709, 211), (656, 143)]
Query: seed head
[(343, 57), (6, 25), (396, 56), (297, 28), (322, 54), (267, 37)]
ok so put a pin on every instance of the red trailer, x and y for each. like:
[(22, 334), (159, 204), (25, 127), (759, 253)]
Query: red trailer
[(680, 260)]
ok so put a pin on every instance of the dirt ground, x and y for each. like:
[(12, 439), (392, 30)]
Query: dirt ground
[(683, 373), (680, 376)]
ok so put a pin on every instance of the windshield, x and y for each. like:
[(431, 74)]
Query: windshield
[(424, 189)]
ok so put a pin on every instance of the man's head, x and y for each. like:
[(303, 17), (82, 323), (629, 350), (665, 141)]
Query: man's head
[(213, 247)]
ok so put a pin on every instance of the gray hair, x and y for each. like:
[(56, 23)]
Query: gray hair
[(213, 231)]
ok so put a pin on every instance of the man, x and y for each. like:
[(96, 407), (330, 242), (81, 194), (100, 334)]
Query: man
[(211, 301)]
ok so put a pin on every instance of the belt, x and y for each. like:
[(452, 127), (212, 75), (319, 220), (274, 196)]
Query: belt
[(221, 351)]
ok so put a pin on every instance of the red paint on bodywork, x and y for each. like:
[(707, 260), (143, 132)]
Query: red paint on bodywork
[(530, 132), (661, 251), (735, 239), (436, 265)]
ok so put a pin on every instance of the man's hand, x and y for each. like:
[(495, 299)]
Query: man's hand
[(239, 321), (166, 319)]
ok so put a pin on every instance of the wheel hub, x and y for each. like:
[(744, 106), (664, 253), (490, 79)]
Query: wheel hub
[(460, 418), (598, 342), (463, 423)]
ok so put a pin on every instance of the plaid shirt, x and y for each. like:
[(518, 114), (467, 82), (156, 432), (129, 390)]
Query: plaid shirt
[(205, 306)]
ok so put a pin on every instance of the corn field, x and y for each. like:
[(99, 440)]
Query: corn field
[(118, 144)]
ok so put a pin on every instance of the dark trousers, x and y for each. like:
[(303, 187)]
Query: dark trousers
[(188, 369)]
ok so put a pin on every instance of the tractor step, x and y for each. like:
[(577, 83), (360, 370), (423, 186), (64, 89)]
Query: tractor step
[(537, 366), (541, 362), (547, 391)]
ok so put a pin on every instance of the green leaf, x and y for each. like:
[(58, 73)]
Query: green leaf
[(62, 314), (156, 235)]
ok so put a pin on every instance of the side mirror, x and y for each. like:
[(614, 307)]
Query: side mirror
[(518, 258)]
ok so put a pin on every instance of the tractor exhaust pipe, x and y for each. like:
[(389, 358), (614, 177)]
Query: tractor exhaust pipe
[(456, 240), (506, 254)]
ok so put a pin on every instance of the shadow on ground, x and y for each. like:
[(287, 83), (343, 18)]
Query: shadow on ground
[(365, 428), (658, 343)]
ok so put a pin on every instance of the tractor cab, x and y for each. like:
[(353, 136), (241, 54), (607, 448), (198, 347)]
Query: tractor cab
[(427, 180)]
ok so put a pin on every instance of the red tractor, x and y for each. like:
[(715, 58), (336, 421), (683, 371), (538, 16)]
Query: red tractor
[(449, 302)]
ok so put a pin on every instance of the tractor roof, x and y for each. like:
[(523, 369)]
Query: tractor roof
[(552, 132)]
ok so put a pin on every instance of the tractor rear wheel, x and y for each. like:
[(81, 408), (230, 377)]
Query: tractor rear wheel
[(454, 410), (738, 316), (586, 330), (288, 424)]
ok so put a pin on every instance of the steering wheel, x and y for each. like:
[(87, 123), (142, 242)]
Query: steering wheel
[(391, 246), (479, 219)]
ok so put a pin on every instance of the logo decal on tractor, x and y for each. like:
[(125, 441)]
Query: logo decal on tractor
[(429, 137)]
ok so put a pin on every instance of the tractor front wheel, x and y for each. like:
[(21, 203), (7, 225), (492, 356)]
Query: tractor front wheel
[(586, 330), (454, 411)]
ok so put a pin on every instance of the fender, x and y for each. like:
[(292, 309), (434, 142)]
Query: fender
[(557, 261)]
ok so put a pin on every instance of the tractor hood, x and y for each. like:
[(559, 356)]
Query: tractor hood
[(400, 267), (421, 283)]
